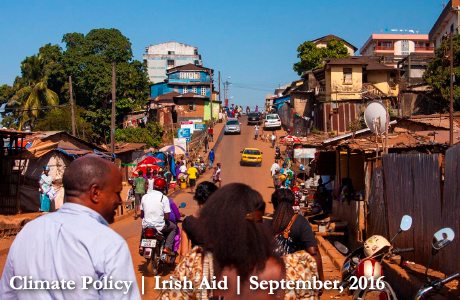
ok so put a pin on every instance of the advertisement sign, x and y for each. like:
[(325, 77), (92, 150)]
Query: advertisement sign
[(186, 123), (304, 153), (182, 142), (200, 126), (184, 133)]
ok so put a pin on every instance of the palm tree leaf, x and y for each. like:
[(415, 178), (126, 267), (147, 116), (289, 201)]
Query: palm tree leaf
[(51, 97)]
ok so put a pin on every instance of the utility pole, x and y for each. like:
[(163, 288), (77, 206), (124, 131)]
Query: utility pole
[(72, 112), (220, 100), (451, 57), (112, 124)]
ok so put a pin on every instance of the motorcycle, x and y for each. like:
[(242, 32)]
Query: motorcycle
[(441, 239), (366, 262), (152, 244)]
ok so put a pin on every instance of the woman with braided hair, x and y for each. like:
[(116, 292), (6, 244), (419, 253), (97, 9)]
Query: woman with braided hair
[(300, 232)]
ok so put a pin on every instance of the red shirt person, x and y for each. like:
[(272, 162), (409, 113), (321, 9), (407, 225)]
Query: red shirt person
[(211, 133)]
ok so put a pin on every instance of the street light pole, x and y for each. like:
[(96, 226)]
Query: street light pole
[(210, 93), (112, 123)]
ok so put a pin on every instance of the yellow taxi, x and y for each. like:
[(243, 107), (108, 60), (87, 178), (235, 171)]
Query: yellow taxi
[(251, 156)]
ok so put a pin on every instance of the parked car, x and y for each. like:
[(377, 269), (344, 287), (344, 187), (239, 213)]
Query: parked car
[(251, 156), (232, 126), (254, 118), (272, 121)]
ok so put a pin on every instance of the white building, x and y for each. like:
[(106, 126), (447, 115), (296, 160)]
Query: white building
[(164, 56), (447, 22), (396, 44)]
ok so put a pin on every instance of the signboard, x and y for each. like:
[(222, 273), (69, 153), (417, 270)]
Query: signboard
[(304, 153), (184, 133), (182, 142), (186, 123), (200, 126)]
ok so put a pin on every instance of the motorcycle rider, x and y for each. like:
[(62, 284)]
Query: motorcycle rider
[(155, 211)]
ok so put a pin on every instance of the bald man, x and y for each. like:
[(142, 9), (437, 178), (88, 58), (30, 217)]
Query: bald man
[(73, 253)]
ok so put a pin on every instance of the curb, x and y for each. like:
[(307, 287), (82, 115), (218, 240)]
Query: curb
[(336, 257)]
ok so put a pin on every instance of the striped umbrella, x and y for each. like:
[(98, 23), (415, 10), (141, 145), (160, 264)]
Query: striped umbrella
[(173, 149)]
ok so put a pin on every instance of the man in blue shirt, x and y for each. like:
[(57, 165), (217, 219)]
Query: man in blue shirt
[(211, 158), (73, 253)]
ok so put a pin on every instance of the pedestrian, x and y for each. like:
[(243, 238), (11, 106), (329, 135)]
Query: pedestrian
[(257, 108), (247, 110), (139, 192), (192, 171), (256, 131), (327, 181), (211, 133), (206, 144), (211, 158), (45, 184), (191, 231), (273, 139), (221, 116), (274, 167), (75, 241), (216, 176)]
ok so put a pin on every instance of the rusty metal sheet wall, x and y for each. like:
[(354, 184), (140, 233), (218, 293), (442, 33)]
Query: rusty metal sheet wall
[(377, 219), (412, 188), (450, 214)]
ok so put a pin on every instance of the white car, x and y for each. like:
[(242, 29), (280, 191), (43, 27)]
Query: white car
[(272, 121)]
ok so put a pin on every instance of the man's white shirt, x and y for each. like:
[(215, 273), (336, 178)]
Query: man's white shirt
[(274, 167), (155, 205)]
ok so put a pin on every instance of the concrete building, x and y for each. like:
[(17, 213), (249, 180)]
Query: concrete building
[(322, 43), (448, 21), (396, 44), (162, 57)]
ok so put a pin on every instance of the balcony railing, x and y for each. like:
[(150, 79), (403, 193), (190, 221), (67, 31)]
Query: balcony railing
[(430, 48), (387, 48)]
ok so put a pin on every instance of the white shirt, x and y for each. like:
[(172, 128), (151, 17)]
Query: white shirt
[(65, 245), (150, 187), (155, 205), (183, 169), (256, 128), (273, 137), (274, 167), (220, 116)]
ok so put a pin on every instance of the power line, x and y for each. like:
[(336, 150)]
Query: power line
[(37, 108)]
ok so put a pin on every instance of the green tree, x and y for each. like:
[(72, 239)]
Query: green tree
[(311, 56), (151, 135), (60, 119), (89, 60), (33, 92), (437, 73)]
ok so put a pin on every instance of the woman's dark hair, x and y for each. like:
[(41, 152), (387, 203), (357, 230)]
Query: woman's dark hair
[(282, 216), (203, 191), (281, 194), (235, 241)]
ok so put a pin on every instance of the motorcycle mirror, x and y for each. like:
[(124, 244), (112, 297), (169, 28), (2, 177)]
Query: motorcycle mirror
[(341, 247), (406, 223), (182, 205), (442, 238)]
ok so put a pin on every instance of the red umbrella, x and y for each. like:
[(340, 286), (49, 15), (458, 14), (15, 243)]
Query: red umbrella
[(149, 160), (144, 169), (290, 139)]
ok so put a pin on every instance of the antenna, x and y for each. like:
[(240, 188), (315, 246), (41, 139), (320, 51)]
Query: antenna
[(375, 117)]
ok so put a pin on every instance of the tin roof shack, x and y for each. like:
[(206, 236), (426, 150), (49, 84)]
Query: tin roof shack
[(12, 149), (163, 109), (356, 161), (435, 127), (56, 150)]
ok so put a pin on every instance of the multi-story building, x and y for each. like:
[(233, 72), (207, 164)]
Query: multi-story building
[(322, 43), (162, 57), (396, 44), (447, 22)]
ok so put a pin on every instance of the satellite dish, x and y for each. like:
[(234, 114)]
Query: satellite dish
[(373, 112)]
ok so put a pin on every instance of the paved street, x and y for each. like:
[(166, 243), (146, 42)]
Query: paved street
[(228, 153)]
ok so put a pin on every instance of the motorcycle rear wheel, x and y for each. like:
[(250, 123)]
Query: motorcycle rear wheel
[(153, 264)]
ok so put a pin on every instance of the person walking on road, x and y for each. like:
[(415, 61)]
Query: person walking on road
[(206, 144), (274, 167), (192, 171), (211, 158), (256, 131), (221, 116), (211, 134), (273, 139), (75, 241), (216, 177), (139, 192)]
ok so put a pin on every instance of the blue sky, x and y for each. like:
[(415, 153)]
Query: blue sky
[(254, 42)]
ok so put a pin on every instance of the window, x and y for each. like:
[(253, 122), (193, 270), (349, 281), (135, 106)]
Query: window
[(194, 90), (347, 76), (203, 90), (176, 89), (189, 75), (405, 47), (171, 53), (184, 90), (170, 63), (191, 106)]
